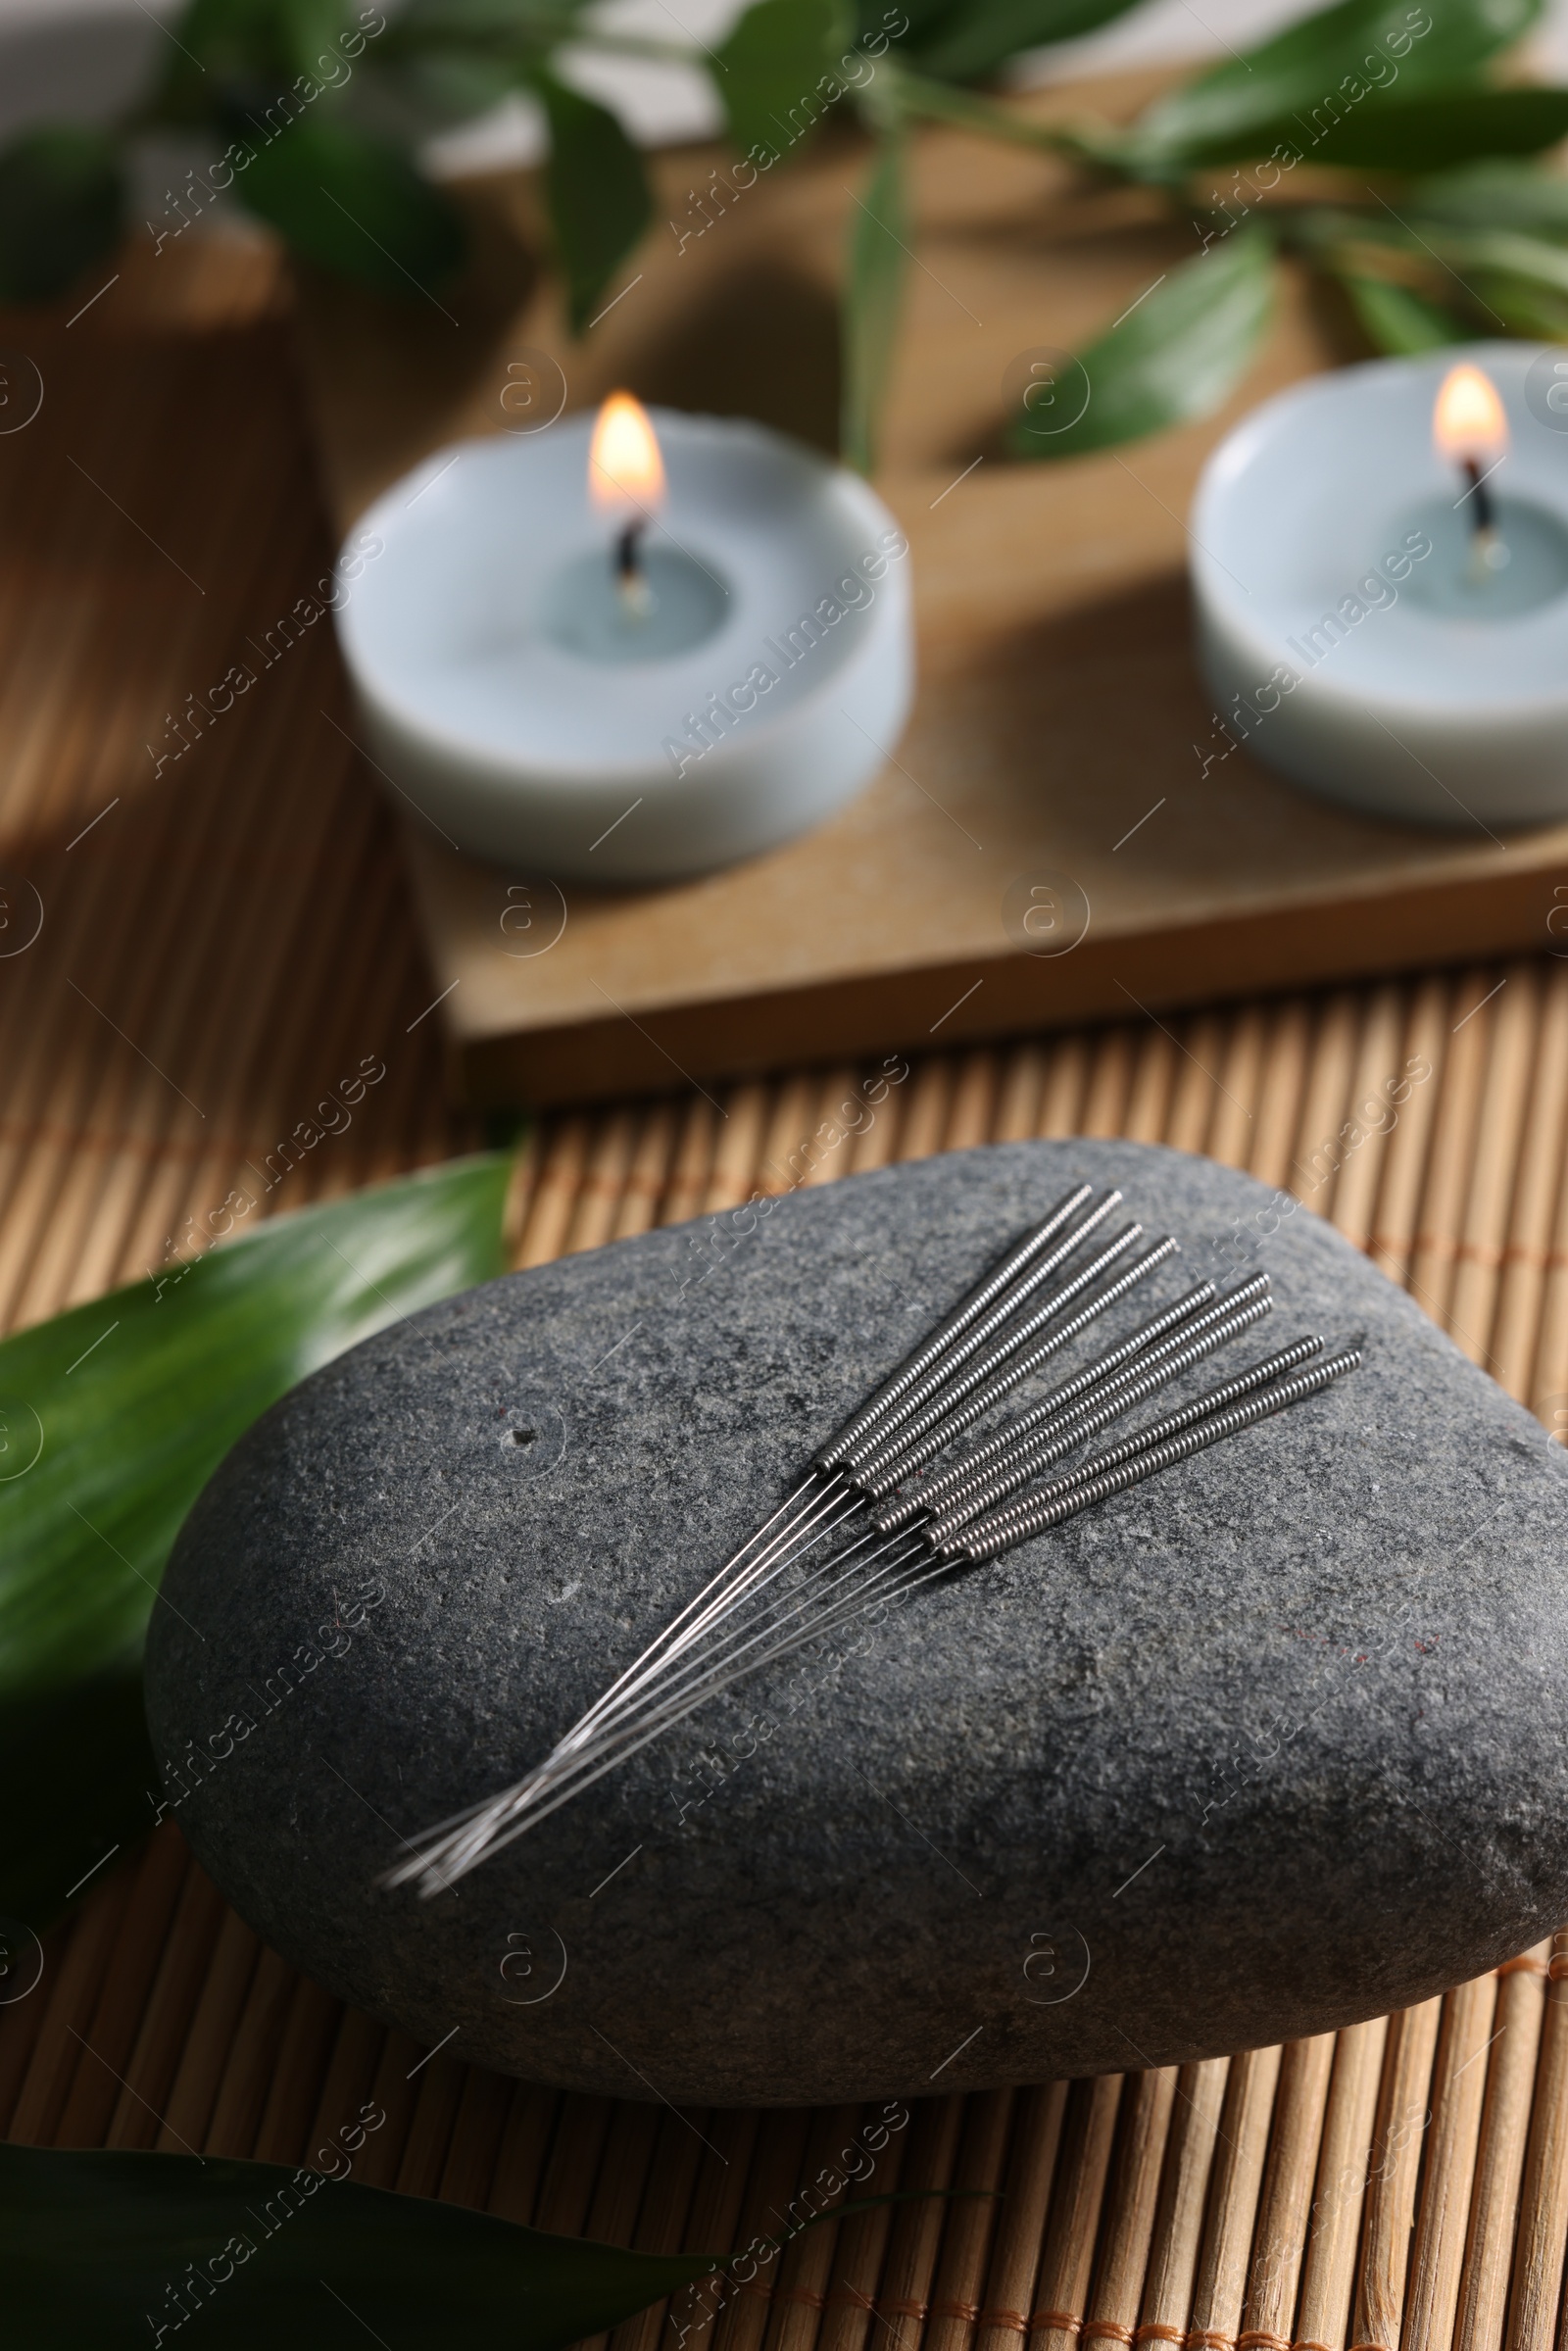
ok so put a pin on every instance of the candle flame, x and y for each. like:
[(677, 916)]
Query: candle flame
[(1468, 421), (625, 472)]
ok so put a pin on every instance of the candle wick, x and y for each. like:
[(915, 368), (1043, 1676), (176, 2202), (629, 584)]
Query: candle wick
[(630, 580), (1487, 553), (1482, 517)]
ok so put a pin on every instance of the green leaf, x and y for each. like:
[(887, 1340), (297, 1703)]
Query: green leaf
[(129, 1403), (257, 46), (908, 23), (351, 204), (62, 206), (598, 191), (309, 32), (919, 95), (105, 2250), (1176, 354), (96, 2247), (1495, 195), (1352, 56), (1521, 306), (774, 73), (973, 38), (1509, 253), (873, 295), (1428, 134), (1396, 320)]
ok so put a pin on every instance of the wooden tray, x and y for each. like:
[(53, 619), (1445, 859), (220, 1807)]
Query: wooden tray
[(1060, 733)]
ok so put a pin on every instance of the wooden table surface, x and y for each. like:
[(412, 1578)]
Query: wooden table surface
[(219, 935)]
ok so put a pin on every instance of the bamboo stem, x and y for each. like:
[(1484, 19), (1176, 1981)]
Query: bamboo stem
[(1434, 1257), (1404, 2114), (302, 2059), (1061, 2291), (712, 2222), (1330, 1069), (1329, 2276), (395, 2095), (1278, 1107), (1104, 1109), (928, 1093), (740, 1146), (1233, 1134), (1153, 1076), (1024, 1076), (573, 2164), (1422, 1071), (1203, 1041), (648, 1173), (1285, 2207), (905, 2300), (350, 2079), (607, 1166), (1458, 2093), (622, 2176), (1525, 1274), (476, 2138), (1134, 2199), (806, 2266), (1505, 1101), (252, 2058), (60, 2049), (1544, 2203), (774, 2170), (691, 1169), (554, 1192), (1066, 1076), (974, 1101), (1548, 1388), (1372, 1115), (1020, 2224), (1500, 2163), (860, 2253), (139, 1939), (524, 2145), (961, 2277), (1178, 2233), (1238, 2178)]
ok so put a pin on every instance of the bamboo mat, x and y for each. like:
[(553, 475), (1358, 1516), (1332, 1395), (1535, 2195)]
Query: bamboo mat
[(233, 927)]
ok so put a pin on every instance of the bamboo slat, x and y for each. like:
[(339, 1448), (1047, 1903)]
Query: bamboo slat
[(1285, 2206), (1458, 2089), (1178, 2234), (955, 2303), (1500, 2155), (1238, 2177), (1543, 2202), (1404, 2115), (1020, 2224), (1061, 2290), (1129, 2224), (1328, 2278), (904, 2302)]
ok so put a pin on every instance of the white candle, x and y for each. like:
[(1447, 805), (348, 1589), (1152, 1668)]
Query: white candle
[(699, 651), (1359, 629)]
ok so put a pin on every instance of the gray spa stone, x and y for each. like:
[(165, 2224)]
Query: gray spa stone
[(1272, 1744)]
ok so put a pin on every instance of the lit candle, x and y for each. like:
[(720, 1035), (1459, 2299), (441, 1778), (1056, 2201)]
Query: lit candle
[(629, 647), (1470, 428), (1379, 569)]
